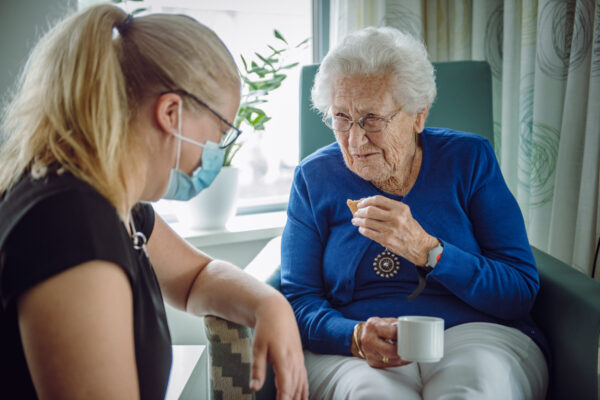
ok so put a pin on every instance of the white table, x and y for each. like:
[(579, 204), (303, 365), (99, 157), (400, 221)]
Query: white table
[(189, 373)]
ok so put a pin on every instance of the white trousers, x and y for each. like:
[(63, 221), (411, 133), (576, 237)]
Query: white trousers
[(481, 361)]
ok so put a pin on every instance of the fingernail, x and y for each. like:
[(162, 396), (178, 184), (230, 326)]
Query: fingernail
[(353, 221)]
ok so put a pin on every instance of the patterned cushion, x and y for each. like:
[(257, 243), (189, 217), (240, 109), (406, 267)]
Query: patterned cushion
[(230, 351)]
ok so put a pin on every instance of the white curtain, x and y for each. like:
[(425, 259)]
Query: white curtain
[(351, 15), (545, 62)]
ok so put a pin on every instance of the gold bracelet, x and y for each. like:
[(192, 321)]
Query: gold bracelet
[(356, 341)]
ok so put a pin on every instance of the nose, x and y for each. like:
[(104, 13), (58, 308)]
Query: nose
[(357, 136)]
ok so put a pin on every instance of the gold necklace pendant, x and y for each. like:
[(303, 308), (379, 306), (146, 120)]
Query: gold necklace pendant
[(386, 264)]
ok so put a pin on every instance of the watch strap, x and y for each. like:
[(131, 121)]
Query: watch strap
[(433, 257), (421, 273)]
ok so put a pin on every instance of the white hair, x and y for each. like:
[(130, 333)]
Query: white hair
[(379, 51)]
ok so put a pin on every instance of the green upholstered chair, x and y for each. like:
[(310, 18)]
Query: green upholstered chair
[(464, 102), (568, 305)]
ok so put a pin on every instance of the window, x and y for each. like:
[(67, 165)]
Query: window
[(267, 158)]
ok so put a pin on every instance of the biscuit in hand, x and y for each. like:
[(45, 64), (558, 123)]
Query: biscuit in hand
[(353, 205)]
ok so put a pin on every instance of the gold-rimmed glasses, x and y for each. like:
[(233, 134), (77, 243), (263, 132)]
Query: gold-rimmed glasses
[(371, 123)]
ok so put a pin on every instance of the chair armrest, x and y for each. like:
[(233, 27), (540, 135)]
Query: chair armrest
[(567, 309), (230, 358), (266, 268), (230, 344)]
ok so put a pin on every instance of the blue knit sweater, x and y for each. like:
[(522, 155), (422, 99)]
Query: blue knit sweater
[(487, 271)]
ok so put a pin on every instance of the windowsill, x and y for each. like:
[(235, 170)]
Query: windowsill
[(188, 367), (241, 228)]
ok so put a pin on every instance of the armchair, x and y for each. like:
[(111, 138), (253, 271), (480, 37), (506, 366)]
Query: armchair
[(567, 307)]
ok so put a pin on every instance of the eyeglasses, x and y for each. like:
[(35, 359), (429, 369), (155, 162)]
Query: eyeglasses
[(230, 136), (370, 123)]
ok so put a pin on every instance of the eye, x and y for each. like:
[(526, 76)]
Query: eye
[(373, 123), (341, 115), (371, 118)]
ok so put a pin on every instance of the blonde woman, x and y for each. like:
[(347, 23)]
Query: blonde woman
[(111, 112)]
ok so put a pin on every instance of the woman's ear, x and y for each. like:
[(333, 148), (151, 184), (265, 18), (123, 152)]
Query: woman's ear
[(167, 112), (419, 123)]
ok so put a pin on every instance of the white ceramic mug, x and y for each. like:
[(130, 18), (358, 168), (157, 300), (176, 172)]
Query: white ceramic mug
[(420, 339)]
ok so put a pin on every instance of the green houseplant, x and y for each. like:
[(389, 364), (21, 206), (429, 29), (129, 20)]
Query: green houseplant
[(261, 75)]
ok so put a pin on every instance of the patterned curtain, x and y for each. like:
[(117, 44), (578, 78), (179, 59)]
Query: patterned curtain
[(545, 62)]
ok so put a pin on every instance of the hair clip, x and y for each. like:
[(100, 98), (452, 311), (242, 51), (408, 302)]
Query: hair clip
[(124, 26)]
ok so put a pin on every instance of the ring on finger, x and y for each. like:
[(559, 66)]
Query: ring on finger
[(385, 360)]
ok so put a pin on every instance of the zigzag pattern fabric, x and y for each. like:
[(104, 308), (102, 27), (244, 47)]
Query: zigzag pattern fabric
[(230, 351)]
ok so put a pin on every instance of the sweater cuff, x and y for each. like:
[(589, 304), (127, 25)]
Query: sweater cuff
[(446, 267), (338, 339)]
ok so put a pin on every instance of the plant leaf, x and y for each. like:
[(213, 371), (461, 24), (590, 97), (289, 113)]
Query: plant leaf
[(289, 66), (279, 36), (259, 122), (265, 60), (230, 152), (257, 70), (260, 71), (302, 42), (256, 110), (275, 51), (251, 102), (260, 76), (254, 94)]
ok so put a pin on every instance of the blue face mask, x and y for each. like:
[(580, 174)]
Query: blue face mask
[(183, 187)]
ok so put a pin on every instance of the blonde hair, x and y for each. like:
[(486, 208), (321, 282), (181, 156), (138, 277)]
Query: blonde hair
[(84, 82)]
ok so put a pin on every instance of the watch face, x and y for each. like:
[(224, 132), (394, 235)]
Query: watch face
[(434, 255)]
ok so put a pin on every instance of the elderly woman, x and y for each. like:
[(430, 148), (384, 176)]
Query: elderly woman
[(434, 204)]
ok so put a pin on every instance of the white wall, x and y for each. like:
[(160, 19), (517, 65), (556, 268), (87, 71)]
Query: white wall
[(22, 22)]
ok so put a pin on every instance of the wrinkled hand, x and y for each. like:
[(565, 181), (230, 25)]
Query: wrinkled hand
[(391, 224), (378, 340), (277, 341)]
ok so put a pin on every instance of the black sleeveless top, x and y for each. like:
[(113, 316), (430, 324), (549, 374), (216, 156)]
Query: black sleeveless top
[(54, 223)]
